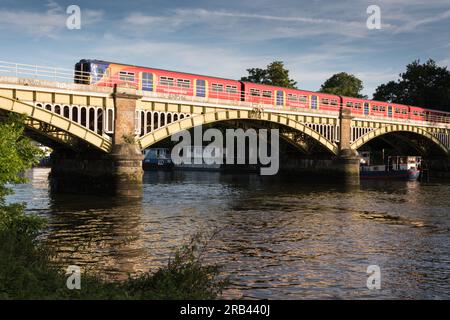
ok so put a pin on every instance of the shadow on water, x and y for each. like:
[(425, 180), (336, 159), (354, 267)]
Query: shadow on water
[(104, 233), (278, 237)]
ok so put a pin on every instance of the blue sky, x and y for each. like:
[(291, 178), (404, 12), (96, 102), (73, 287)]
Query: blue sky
[(314, 38)]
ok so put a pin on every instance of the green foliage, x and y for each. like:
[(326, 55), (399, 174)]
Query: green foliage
[(256, 75), (425, 85), (27, 266), (275, 74), (16, 152), (343, 84), (185, 277), (27, 270)]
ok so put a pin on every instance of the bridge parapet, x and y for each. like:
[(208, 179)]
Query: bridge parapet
[(47, 84)]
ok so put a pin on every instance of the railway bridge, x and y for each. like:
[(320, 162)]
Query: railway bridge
[(102, 131)]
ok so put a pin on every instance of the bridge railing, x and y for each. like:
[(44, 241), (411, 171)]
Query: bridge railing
[(175, 91), (430, 119), (20, 70)]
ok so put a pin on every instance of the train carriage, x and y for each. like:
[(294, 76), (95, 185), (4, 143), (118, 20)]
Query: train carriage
[(296, 99), (437, 116), (267, 95), (102, 73), (399, 111), (177, 84), (417, 113), (378, 108), (327, 102), (263, 95), (357, 106)]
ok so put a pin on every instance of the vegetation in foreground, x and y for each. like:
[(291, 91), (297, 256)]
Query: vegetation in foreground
[(27, 270)]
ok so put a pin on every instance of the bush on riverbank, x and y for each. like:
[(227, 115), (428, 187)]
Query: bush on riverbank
[(27, 271), (27, 268)]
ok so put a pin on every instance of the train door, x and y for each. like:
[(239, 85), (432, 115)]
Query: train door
[(280, 98), (390, 111), (200, 87), (366, 108), (147, 81), (313, 102)]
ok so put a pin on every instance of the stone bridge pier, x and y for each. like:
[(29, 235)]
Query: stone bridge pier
[(347, 161), (126, 154), (118, 172)]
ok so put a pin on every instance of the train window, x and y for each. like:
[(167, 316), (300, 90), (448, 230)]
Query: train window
[(303, 98), (217, 87), (325, 101), (349, 104), (374, 108), (357, 105), (99, 71), (404, 111), (103, 72), (267, 94), (292, 97), (183, 83), (126, 76), (382, 108), (334, 102), (166, 81), (255, 92), (397, 110), (147, 81), (231, 89), (313, 102)]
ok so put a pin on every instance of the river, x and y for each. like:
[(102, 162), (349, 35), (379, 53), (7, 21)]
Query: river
[(275, 238)]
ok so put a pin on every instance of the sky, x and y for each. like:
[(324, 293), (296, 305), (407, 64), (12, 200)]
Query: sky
[(315, 39)]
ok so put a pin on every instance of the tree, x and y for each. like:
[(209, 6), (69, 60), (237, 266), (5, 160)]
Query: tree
[(16, 153), (275, 74), (390, 92), (426, 85), (343, 84), (256, 75)]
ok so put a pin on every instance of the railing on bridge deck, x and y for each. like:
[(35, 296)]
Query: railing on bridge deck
[(226, 98)]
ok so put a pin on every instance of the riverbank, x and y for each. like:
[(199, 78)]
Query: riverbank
[(28, 269)]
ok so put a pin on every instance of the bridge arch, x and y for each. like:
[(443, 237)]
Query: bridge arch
[(201, 119), (398, 128), (44, 114)]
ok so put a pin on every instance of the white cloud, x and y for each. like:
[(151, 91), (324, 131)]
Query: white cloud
[(43, 24), (413, 23), (247, 26)]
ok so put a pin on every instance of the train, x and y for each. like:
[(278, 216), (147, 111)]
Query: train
[(105, 73)]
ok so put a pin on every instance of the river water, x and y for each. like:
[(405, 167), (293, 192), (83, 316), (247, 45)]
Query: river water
[(275, 238)]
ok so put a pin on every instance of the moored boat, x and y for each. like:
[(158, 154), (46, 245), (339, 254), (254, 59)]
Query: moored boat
[(157, 158), (397, 168)]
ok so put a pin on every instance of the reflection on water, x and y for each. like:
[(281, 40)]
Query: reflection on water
[(278, 238)]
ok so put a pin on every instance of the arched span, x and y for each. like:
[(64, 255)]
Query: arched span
[(397, 128), (57, 121), (211, 117)]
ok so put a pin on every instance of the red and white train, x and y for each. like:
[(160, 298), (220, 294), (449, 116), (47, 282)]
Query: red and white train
[(104, 73)]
